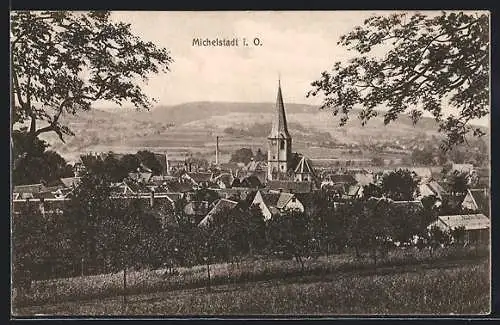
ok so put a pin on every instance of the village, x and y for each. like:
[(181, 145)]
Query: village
[(285, 181)]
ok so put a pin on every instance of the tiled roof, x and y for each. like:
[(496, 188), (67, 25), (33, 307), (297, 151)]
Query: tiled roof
[(291, 186), (221, 205), (70, 182), (341, 178), (251, 181), (482, 199), (179, 187), (363, 179), (304, 166), (32, 188), (270, 199), (469, 221), (409, 204), (200, 176), (283, 199)]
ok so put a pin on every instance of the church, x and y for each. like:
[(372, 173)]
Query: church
[(282, 164)]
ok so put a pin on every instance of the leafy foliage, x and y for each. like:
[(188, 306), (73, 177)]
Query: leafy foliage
[(243, 155), (64, 61), (399, 185), (40, 165), (432, 62)]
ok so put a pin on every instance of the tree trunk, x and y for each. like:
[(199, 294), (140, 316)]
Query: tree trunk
[(208, 274), (356, 249), (299, 259), (125, 286)]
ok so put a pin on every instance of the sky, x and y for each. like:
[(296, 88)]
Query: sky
[(295, 47)]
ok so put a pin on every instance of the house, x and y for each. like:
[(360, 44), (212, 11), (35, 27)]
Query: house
[(363, 179), (196, 210), (340, 179), (251, 181), (462, 168), (304, 172), (121, 189), (431, 188), (198, 179), (413, 205), (477, 200), (220, 206), (476, 226), (236, 193), (178, 186), (71, 182), (290, 186), (353, 192), (424, 173), (224, 180), (27, 191), (140, 177), (272, 204)]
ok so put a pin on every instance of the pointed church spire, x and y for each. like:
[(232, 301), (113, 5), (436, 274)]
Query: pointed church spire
[(279, 127)]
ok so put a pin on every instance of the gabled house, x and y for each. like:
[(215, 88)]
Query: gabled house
[(198, 179), (140, 177), (27, 191), (353, 192), (431, 188), (71, 182), (224, 180), (196, 210), (290, 186), (304, 172), (477, 200), (121, 189), (272, 204), (251, 181), (220, 206)]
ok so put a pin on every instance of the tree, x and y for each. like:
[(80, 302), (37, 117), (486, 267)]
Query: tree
[(432, 62), (62, 62), (290, 233), (243, 155), (372, 190), (130, 162), (458, 183), (148, 159), (399, 185), (41, 165)]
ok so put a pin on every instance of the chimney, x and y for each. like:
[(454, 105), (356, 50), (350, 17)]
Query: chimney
[(217, 151), (167, 164)]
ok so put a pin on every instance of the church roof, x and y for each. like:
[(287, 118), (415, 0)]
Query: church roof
[(304, 166), (279, 127)]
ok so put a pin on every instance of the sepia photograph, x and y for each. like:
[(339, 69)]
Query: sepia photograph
[(250, 163)]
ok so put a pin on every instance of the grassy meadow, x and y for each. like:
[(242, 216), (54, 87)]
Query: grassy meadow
[(452, 289), (454, 280)]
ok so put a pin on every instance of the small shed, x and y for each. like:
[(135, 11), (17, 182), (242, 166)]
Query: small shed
[(477, 226)]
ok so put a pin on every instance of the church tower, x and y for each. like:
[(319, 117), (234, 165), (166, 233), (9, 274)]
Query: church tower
[(280, 143)]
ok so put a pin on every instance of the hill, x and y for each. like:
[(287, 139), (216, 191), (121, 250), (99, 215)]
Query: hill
[(191, 128)]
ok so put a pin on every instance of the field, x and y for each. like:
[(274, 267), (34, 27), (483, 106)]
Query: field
[(191, 129), (452, 281)]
